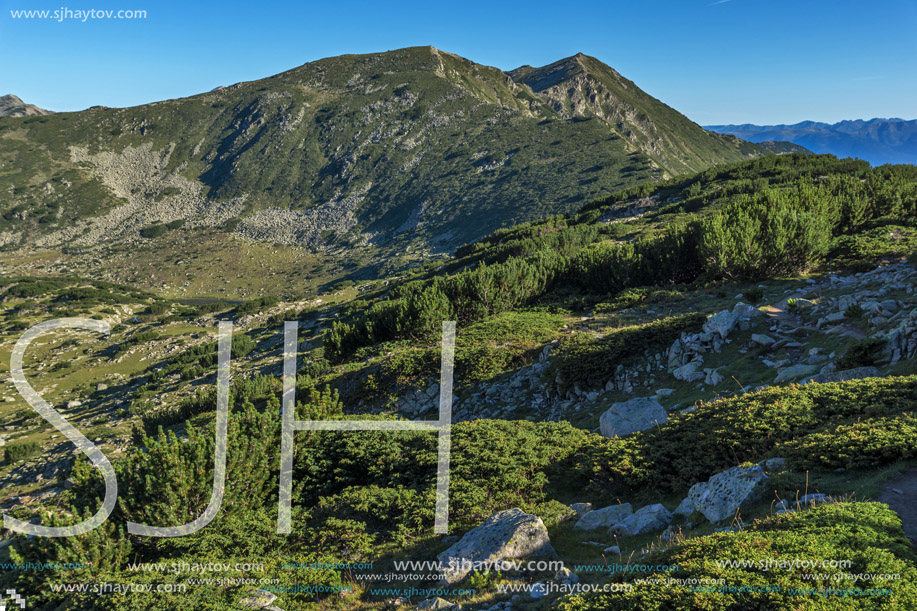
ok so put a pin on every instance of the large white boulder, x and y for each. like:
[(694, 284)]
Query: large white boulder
[(605, 517), (508, 534), (628, 417), (723, 494)]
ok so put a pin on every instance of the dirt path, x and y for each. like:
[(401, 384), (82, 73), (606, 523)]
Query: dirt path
[(900, 494)]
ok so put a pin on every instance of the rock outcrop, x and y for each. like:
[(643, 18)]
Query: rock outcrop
[(507, 534), (628, 417), (723, 494)]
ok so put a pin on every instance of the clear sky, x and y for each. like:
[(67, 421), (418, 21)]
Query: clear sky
[(717, 61)]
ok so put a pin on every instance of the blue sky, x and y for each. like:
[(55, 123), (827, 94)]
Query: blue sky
[(726, 61)]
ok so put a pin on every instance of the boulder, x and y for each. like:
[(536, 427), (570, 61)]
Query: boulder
[(626, 417), (689, 372), (743, 310), (685, 507), (712, 377), (646, 519), (723, 494), (605, 517), (581, 509), (508, 534), (847, 374), (794, 371), (721, 323)]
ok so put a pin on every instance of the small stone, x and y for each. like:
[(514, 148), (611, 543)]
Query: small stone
[(435, 604), (539, 590), (259, 599), (762, 340)]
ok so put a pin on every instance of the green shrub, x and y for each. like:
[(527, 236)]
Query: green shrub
[(862, 353), (17, 451), (854, 310), (591, 362), (795, 420), (770, 234), (242, 345), (153, 231), (867, 534), (753, 294)]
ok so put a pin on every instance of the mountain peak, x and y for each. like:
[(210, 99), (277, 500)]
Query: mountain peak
[(13, 106)]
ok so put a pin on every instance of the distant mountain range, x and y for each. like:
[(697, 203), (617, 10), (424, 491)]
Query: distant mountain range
[(411, 148), (877, 141), (12, 106)]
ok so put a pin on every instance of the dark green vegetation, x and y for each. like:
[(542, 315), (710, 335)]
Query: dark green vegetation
[(359, 496), (14, 452), (621, 277), (858, 424), (412, 146), (867, 534), (772, 217), (587, 363)]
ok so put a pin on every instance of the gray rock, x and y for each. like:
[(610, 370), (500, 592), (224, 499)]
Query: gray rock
[(605, 517), (74, 404), (689, 372), (626, 417), (664, 392), (847, 374), (721, 323), (811, 499), (794, 371), (743, 310), (685, 508), (774, 464), (565, 575), (259, 599), (713, 377), (723, 494), (435, 604), (889, 305), (762, 340), (508, 534), (539, 590), (581, 508), (646, 519)]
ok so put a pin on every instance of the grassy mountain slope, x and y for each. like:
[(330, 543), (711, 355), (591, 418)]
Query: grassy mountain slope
[(557, 320), (415, 147)]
